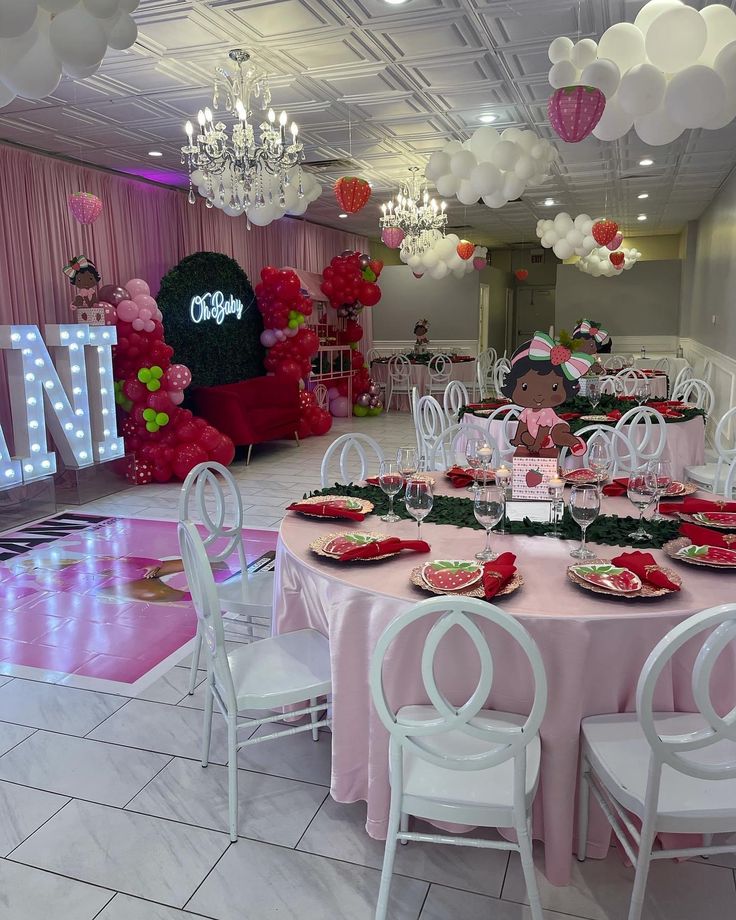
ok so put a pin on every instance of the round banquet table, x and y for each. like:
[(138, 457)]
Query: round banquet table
[(685, 443), (464, 371), (593, 649), (676, 364), (657, 385)]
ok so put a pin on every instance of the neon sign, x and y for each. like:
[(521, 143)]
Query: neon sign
[(214, 306)]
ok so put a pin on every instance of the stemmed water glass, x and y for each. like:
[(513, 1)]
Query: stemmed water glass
[(585, 506), (600, 461), (473, 455), (407, 459), (391, 482), (489, 506), (642, 491), (419, 501), (593, 392), (556, 489), (642, 392), (662, 470)]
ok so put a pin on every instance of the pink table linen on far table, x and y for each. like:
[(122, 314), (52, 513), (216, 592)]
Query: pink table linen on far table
[(463, 371), (593, 650), (657, 385)]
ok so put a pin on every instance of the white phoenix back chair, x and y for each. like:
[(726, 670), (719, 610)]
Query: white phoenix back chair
[(455, 397), (371, 355), (610, 385), (483, 365), (631, 378), (612, 362), (696, 392), (214, 493), (623, 755), (664, 364), (439, 371), (399, 378), (506, 419), (321, 396), (647, 431), (620, 448), (448, 447), (280, 671), (464, 764), (685, 373), (713, 475), (429, 420), (500, 370), (351, 447)]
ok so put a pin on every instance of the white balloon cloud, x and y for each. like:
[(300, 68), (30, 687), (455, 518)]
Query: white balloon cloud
[(494, 167), (228, 198), (567, 237), (41, 39), (673, 68), (440, 258), (598, 262)]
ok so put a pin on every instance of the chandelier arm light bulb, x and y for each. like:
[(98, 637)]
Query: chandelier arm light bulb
[(415, 214)]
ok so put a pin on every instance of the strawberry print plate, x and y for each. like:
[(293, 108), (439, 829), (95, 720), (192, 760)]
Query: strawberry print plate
[(333, 545), (453, 576), (706, 555), (613, 579), (581, 476), (722, 519)]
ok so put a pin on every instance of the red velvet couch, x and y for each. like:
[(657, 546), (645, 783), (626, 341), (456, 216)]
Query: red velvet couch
[(251, 411)]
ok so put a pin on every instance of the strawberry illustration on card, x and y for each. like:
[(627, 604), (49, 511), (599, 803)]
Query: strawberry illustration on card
[(450, 574), (530, 476), (534, 478)]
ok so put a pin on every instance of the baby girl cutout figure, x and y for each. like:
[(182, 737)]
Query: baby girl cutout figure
[(84, 277), (589, 337), (543, 375)]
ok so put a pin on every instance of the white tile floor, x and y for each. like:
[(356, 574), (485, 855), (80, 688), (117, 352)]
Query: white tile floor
[(105, 812)]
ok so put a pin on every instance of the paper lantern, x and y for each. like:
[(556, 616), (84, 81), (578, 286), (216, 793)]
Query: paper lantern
[(604, 231), (465, 249), (352, 193), (85, 206), (479, 263), (574, 111), (521, 274), (617, 259), (393, 237), (615, 242)]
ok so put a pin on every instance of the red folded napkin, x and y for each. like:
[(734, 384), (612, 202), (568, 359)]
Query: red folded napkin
[(382, 547), (614, 414), (693, 505), (569, 416), (327, 509), (704, 536), (617, 487), (643, 565), (459, 477), (498, 573), (627, 398)]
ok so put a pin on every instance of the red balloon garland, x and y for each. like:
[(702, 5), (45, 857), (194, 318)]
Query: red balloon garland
[(166, 441)]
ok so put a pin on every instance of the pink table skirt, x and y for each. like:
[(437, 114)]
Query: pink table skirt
[(657, 385), (462, 370), (593, 649)]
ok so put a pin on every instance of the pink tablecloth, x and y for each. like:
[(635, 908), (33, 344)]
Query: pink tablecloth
[(462, 370), (593, 649), (657, 385)]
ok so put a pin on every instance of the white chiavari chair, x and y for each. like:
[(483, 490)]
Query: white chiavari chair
[(500, 369), (620, 449), (501, 426), (647, 430), (439, 373), (664, 364), (429, 421), (454, 398), (714, 476), (399, 378), (355, 454), (321, 396), (630, 378), (448, 448), (685, 373), (483, 367), (697, 393)]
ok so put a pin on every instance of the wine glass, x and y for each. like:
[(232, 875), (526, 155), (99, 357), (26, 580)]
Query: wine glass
[(642, 491), (391, 482), (600, 460), (642, 392), (585, 506), (489, 506), (419, 500), (593, 392), (407, 459), (662, 470), (555, 489), (473, 446)]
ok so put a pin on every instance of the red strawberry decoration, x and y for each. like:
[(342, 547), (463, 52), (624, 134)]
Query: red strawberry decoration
[(617, 259), (533, 479), (604, 231), (339, 545), (140, 472), (559, 355), (609, 576), (521, 274), (376, 266), (352, 193), (448, 575), (718, 555), (465, 249)]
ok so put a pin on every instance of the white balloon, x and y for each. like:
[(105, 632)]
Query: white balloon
[(429, 258), (525, 167), (505, 154), (128, 6), (649, 12), (123, 33), (496, 200), (459, 272), (6, 95), (694, 96), (414, 261), (725, 65), (513, 187), (462, 163), (549, 238), (614, 122), (445, 248), (38, 72), (440, 271), (466, 194), (57, 6), (486, 179), (560, 49), (291, 197), (482, 141), (584, 52), (447, 185), (527, 140), (563, 224), (77, 38), (589, 243), (623, 44), (720, 24), (437, 165), (455, 261), (452, 147), (563, 73), (575, 238), (16, 17), (12, 50), (511, 134), (580, 222), (261, 217), (102, 9), (642, 89), (657, 128), (80, 73), (454, 239), (727, 113), (603, 75), (676, 39), (562, 249)]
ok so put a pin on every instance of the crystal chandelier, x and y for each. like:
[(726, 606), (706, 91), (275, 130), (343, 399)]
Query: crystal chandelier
[(412, 211), (237, 171)]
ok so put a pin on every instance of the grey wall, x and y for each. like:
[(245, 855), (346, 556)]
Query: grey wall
[(498, 281), (644, 300), (709, 271), (451, 305)]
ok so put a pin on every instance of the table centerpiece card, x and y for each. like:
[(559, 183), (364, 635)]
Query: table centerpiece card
[(531, 475)]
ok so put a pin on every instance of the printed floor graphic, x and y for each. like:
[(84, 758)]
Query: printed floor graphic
[(78, 602)]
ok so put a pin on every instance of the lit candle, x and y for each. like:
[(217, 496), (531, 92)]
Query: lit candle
[(503, 474), (189, 128), (485, 453), (556, 482)]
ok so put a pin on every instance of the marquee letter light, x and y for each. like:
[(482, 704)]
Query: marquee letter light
[(106, 443)]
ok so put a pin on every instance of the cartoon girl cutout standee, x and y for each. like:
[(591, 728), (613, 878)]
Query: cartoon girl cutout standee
[(588, 336), (84, 277), (421, 327), (543, 375)]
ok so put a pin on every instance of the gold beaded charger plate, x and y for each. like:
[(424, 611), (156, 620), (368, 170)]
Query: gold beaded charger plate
[(342, 501)]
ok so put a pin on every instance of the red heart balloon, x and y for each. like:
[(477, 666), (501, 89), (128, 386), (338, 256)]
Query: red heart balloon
[(604, 231), (617, 259)]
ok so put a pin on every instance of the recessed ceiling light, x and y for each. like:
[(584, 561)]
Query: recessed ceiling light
[(155, 153), (647, 161), (548, 202), (642, 217), (487, 119), (394, 2), (643, 195), (344, 215)]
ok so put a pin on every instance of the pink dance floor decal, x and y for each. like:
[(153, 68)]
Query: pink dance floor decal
[(75, 597)]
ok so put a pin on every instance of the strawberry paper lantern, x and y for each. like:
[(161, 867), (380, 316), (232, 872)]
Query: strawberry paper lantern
[(615, 242), (85, 206), (574, 111), (393, 237), (521, 274), (617, 259), (465, 249), (479, 263), (418, 274), (604, 231), (352, 193)]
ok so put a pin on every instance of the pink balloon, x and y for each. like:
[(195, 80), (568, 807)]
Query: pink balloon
[(127, 311), (289, 333), (111, 316), (615, 242), (145, 301), (137, 324), (158, 315), (176, 396), (333, 393), (145, 313), (148, 325), (178, 377), (137, 286), (268, 338), (340, 407)]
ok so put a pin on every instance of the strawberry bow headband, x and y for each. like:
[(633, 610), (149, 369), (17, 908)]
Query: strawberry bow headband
[(543, 348), (586, 328), (75, 265)]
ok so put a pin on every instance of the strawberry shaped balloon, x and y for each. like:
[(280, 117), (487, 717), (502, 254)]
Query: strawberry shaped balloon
[(465, 249), (85, 206), (521, 274), (352, 193), (617, 259), (574, 111), (615, 242), (604, 231)]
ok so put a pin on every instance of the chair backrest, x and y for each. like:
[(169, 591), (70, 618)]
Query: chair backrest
[(674, 750), (483, 365), (724, 442), (214, 493), (612, 362), (610, 386), (685, 373), (399, 369), (429, 420), (500, 742), (501, 427), (201, 582), (453, 399), (351, 448), (439, 370), (321, 396), (664, 364), (448, 447), (372, 354), (696, 392), (500, 370), (647, 431), (630, 378), (621, 450)]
